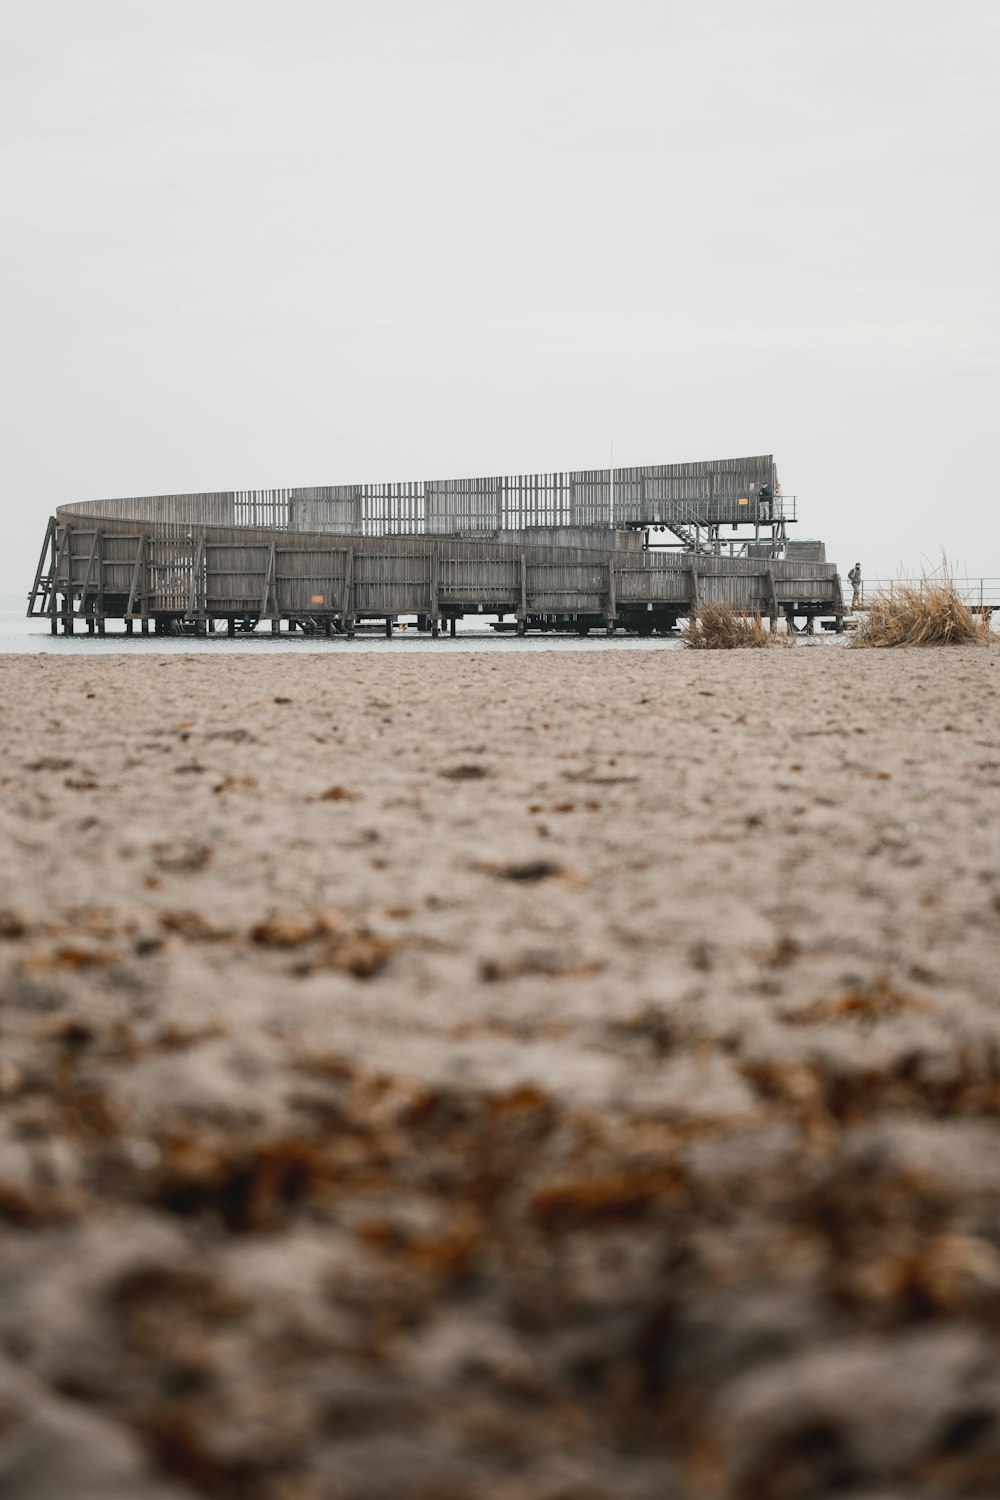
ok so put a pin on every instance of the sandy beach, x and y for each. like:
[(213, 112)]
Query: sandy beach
[(551, 1076)]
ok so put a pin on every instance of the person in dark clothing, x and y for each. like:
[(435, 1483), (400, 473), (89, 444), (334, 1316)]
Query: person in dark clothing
[(765, 500), (855, 577)]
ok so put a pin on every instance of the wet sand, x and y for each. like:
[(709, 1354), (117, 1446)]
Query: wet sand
[(553, 1076)]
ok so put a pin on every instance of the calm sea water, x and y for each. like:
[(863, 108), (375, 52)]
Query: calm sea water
[(22, 636)]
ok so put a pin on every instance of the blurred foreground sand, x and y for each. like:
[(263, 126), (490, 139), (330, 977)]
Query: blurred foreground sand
[(534, 1077)]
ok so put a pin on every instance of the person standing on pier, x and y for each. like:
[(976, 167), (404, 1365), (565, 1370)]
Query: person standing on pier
[(855, 576)]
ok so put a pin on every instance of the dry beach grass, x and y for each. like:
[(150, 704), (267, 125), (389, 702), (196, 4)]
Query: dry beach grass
[(933, 614), (558, 1076), (720, 627)]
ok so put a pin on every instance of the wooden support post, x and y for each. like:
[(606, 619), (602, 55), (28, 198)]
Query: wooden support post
[(435, 600), (196, 594), (99, 540), (85, 588), (772, 589), (66, 556), (452, 626), (838, 604), (49, 545), (268, 598), (612, 614), (522, 611), (348, 610), (128, 627), (145, 625), (137, 578), (695, 586), (276, 626), (388, 627), (231, 626)]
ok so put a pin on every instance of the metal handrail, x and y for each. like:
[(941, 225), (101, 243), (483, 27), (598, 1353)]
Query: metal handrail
[(978, 593)]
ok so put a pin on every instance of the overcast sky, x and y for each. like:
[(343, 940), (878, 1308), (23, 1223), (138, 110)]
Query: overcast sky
[(308, 242)]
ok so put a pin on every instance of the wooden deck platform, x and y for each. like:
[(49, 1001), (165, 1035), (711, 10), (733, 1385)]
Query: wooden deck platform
[(98, 565)]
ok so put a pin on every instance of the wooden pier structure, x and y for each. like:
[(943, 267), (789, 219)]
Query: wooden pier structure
[(547, 551)]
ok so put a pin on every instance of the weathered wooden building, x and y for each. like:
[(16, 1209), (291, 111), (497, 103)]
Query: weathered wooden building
[(566, 550)]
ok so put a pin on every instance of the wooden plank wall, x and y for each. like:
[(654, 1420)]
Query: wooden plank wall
[(656, 494), (232, 570)]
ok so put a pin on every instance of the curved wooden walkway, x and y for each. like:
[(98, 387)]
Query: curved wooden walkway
[(297, 557)]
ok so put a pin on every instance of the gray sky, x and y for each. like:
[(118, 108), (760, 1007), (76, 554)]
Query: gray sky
[(249, 244)]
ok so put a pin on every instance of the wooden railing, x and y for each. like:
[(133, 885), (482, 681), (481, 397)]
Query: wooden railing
[(715, 492)]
